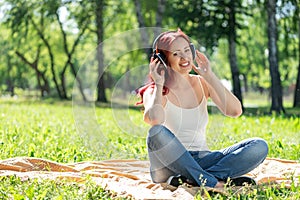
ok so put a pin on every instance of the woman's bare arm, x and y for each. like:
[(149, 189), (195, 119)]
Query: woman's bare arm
[(153, 99), (221, 96), (153, 102)]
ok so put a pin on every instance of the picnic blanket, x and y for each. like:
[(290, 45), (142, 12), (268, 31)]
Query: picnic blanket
[(131, 178)]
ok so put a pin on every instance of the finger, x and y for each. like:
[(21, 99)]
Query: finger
[(199, 61), (200, 54), (202, 57), (154, 67), (157, 64), (162, 73), (202, 66), (195, 68), (154, 60)]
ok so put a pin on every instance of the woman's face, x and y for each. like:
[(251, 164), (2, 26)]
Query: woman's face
[(180, 57)]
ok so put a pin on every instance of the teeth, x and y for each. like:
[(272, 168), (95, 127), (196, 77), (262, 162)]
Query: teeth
[(185, 64)]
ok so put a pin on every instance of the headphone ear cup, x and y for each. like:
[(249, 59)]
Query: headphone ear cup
[(193, 49), (164, 58), (161, 56)]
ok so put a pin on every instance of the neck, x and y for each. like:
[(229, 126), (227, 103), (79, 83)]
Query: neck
[(179, 81)]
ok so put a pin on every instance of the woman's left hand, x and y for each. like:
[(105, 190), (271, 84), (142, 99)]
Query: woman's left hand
[(203, 64)]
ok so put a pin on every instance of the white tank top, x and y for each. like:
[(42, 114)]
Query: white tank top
[(189, 125)]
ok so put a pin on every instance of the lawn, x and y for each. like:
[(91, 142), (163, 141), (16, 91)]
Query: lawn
[(51, 130)]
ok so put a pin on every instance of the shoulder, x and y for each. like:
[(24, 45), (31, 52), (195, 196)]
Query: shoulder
[(148, 92), (148, 95), (199, 80)]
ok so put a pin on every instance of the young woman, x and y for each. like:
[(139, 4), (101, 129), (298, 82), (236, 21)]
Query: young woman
[(175, 103)]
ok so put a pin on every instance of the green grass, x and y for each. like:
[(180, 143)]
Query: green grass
[(14, 188), (47, 129)]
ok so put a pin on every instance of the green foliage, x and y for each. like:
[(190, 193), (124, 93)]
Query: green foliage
[(206, 22)]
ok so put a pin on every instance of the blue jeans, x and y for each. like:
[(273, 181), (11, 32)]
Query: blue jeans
[(168, 157)]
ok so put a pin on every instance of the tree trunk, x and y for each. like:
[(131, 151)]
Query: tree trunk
[(9, 81), (276, 89), (61, 94), (232, 54), (44, 87), (297, 89), (144, 34), (161, 7), (159, 16), (99, 4), (69, 54)]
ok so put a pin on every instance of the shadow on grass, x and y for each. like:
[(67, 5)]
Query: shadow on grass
[(248, 111), (265, 111)]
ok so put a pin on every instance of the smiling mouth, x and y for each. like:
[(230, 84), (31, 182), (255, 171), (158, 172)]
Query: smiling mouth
[(185, 64)]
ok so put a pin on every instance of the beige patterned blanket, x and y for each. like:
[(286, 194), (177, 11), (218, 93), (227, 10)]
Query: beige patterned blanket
[(130, 178)]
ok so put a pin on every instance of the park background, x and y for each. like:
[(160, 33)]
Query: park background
[(48, 46)]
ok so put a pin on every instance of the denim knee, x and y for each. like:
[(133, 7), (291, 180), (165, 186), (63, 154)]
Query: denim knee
[(262, 147), (258, 150), (160, 135)]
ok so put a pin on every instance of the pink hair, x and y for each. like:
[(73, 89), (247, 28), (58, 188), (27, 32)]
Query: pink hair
[(163, 45)]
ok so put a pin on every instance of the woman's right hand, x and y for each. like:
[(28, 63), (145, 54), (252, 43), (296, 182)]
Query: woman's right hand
[(156, 72)]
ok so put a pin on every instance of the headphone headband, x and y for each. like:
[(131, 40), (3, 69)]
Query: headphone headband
[(158, 37)]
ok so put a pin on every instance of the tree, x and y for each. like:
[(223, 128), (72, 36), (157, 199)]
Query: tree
[(82, 24), (99, 9), (297, 89), (18, 20), (41, 77), (95, 9), (158, 8), (288, 42), (251, 49), (232, 50), (276, 89), (208, 21), (13, 73), (32, 19)]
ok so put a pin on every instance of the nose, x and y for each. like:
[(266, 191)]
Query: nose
[(183, 55)]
